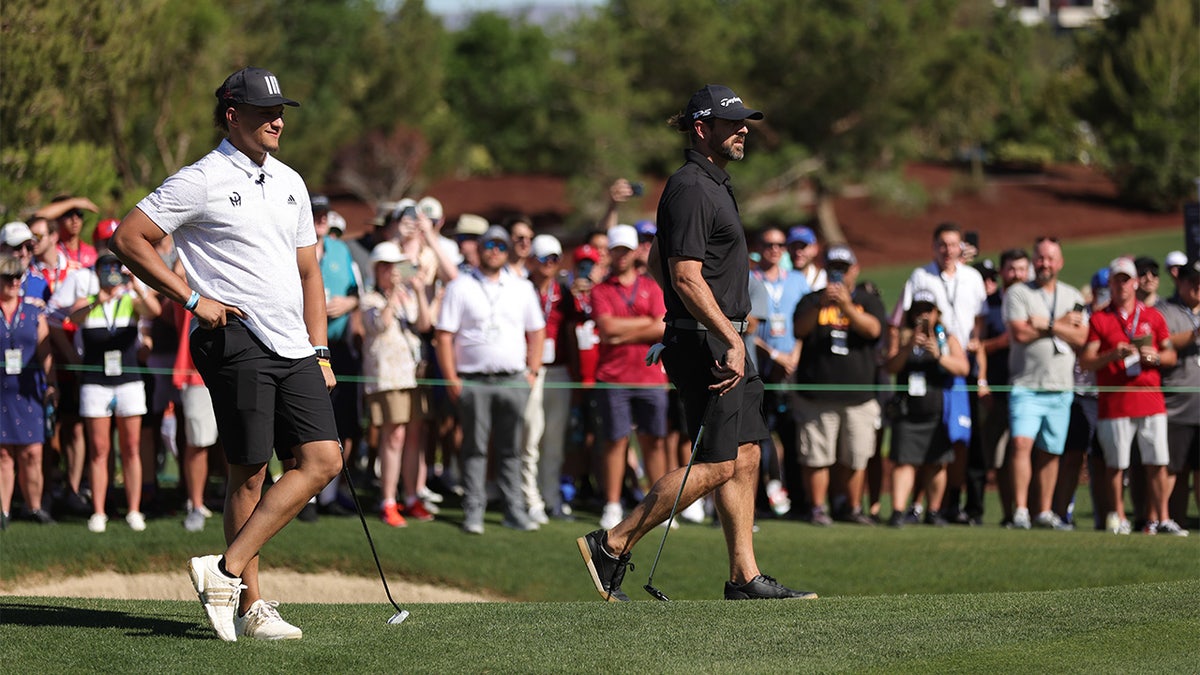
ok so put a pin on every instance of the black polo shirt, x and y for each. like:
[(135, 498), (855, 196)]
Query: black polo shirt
[(698, 220)]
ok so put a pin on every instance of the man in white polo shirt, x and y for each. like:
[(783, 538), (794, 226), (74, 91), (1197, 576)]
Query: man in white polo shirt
[(489, 339), (962, 300), (243, 226)]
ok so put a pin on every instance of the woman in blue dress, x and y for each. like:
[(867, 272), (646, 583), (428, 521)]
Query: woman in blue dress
[(23, 392)]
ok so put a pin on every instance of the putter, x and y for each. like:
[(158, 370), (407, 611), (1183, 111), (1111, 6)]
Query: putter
[(659, 595), (401, 614)]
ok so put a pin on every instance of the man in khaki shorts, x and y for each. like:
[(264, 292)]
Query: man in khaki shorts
[(839, 327)]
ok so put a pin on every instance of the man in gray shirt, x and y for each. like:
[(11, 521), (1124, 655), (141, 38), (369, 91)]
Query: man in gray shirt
[(1045, 324), (1181, 389)]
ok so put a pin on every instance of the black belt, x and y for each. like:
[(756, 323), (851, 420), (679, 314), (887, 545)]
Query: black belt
[(508, 375), (692, 324)]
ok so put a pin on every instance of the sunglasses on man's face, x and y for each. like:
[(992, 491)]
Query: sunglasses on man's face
[(548, 259), (495, 246)]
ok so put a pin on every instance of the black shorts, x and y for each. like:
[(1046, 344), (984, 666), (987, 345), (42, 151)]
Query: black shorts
[(1183, 440), (262, 401), (736, 417)]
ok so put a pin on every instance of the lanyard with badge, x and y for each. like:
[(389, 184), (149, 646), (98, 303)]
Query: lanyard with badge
[(1133, 362), (776, 321), (14, 357), (1060, 345), (112, 357), (491, 328)]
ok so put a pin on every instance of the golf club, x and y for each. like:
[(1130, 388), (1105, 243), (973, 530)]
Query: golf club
[(401, 614), (659, 595)]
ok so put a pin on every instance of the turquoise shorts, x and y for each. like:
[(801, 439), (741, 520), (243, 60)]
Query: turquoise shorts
[(1044, 416)]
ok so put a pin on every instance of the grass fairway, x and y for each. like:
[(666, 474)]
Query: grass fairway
[(1136, 628), (920, 599)]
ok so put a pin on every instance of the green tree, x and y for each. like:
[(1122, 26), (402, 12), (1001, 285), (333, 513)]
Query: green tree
[(1145, 107)]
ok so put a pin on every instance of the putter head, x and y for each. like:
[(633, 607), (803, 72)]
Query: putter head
[(398, 617), (658, 595)]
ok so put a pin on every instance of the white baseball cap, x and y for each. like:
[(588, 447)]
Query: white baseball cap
[(546, 244), (387, 252), (15, 233), (1175, 258), (622, 235)]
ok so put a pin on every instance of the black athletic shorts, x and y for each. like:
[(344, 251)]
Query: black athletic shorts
[(262, 401), (736, 417)]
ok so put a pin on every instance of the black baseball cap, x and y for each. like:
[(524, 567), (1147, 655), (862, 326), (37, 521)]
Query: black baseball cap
[(719, 101), (254, 86)]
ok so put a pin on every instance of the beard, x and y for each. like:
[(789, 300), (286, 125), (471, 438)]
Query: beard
[(731, 150)]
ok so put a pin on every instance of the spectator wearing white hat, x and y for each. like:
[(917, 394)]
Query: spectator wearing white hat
[(1173, 262), (16, 239), (1181, 388), (395, 312), (547, 414), (1128, 345), (628, 308), (467, 232)]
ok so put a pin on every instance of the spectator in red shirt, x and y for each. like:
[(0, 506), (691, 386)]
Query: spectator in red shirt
[(1127, 345), (629, 308)]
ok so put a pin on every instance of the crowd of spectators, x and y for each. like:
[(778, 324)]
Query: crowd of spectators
[(491, 363)]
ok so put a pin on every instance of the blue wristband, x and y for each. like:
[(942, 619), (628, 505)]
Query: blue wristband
[(192, 301)]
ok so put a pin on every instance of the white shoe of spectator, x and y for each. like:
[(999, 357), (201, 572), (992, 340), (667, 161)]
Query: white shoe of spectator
[(97, 523), (694, 513), (1021, 519), (1171, 527), (429, 496), (538, 515), (1050, 519), (262, 622), (1112, 522), (611, 516), (778, 498), (194, 521), (136, 521)]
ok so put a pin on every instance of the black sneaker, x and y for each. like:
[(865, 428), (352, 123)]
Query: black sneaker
[(607, 572), (41, 517), (763, 587), (76, 505), (308, 514), (896, 520), (936, 519)]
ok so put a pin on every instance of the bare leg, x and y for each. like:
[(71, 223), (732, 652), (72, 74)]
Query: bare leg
[(935, 486), (656, 507), (29, 458), (195, 467), (129, 431), (413, 464), (1156, 494), (1046, 469), (391, 440), (735, 504), (1116, 500), (903, 477), (816, 479), (71, 442), (100, 440), (7, 478), (252, 518), (1020, 465), (654, 456), (615, 460)]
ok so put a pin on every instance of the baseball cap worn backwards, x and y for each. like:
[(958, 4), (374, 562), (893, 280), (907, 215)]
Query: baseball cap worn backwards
[(719, 101), (254, 86)]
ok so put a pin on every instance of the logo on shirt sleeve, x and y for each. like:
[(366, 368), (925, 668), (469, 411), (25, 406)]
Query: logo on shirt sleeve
[(235, 199)]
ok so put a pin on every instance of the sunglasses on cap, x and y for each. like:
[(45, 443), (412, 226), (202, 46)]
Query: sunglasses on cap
[(548, 259), (494, 245)]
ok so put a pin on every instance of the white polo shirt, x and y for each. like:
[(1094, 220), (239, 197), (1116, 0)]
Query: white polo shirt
[(960, 298), (489, 320), (237, 227)]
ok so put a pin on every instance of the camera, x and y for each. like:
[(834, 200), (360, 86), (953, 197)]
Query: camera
[(836, 276), (639, 189)]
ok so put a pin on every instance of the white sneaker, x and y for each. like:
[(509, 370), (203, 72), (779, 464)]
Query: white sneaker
[(194, 522), (97, 523), (538, 515), (218, 593), (1112, 522), (1021, 519), (777, 496), (694, 513), (611, 516), (262, 622), (1050, 519), (203, 511), (1171, 527), (137, 521)]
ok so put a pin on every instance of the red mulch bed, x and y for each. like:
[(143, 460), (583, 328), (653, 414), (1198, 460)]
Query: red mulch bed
[(1011, 210)]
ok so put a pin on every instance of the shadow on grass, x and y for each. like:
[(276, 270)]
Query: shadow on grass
[(132, 624)]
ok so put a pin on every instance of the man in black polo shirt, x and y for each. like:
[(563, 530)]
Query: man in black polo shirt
[(701, 260)]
